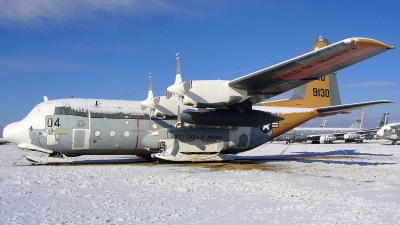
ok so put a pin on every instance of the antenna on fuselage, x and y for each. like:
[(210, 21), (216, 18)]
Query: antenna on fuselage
[(45, 98)]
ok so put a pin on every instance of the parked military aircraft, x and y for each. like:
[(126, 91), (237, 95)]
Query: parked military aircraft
[(373, 134), (203, 120), (354, 133), (300, 134), (391, 132)]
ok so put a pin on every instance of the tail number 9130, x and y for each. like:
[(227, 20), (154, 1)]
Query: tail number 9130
[(321, 92)]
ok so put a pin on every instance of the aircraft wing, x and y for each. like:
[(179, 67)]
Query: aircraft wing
[(329, 110), (284, 76)]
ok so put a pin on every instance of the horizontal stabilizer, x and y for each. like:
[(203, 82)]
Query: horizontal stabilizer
[(340, 108)]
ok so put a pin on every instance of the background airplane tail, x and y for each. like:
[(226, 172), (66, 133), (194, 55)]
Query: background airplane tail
[(359, 123), (317, 93), (384, 120), (323, 123)]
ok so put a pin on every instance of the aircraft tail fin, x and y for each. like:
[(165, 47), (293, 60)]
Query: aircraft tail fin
[(323, 123), (358, 124), (384, 120), (317, 93)]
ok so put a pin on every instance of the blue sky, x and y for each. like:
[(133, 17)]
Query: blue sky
[(102, 49)]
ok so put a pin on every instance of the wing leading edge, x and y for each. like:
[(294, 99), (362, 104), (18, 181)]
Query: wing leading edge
[(284, 76)]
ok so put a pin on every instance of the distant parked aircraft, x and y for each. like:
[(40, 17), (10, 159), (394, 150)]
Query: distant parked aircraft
[(354, 133), (391, 132)]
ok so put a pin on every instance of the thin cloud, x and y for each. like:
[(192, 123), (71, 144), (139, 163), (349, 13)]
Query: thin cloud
[(368, 84), (387, 92), (42, 12)]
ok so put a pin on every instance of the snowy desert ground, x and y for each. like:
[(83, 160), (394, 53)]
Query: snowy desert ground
[(298, 184)]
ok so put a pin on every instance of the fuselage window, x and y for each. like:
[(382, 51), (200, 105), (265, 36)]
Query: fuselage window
[(126, 134), (97, 133), (112, 133)]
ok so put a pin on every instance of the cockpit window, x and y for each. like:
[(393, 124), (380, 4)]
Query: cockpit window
[(69, 111)]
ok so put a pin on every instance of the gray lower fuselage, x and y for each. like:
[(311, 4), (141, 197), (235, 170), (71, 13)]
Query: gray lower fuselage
[(114, 127)]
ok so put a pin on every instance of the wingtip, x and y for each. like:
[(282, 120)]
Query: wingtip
[(386, 101), (368, 42)]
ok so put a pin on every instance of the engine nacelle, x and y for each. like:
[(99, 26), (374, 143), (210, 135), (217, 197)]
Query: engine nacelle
[(212, 93), (149, 103), (167, 106), (327, 138), (351, 136)]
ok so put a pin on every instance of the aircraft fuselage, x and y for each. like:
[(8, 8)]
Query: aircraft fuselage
[(116, 127)]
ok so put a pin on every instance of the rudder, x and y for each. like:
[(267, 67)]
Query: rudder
[(359, 122), (384, 120)]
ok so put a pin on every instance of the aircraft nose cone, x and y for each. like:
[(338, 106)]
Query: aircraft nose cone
[(16, 133), (380, 132)]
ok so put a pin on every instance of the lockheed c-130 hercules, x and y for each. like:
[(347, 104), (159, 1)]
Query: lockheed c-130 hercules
[(197, 120)]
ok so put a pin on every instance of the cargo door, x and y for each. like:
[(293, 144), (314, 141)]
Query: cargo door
[(81, 138)]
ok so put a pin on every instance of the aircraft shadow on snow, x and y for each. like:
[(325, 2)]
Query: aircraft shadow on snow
[(352, 157)]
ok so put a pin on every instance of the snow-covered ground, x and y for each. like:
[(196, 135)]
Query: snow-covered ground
[(314, 184)]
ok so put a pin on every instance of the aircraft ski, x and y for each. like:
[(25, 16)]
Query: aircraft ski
[(49, 160)]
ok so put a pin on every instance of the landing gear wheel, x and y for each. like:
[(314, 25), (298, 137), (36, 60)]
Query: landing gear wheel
[(56, 155)]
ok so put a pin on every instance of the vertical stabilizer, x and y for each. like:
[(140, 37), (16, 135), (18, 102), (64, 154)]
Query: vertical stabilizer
[(323, 124), (318, 93), (384, 120), (359, 123)]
